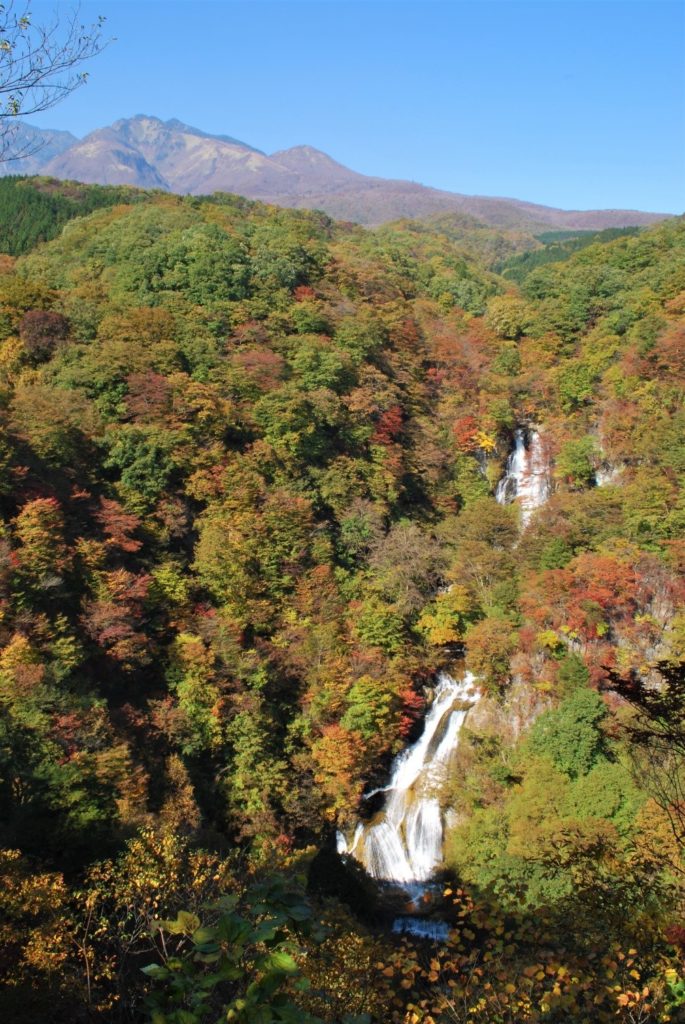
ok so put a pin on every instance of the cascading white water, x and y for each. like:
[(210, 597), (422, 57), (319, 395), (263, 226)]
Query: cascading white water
[(403, 843), (526, 480), (423, 928), (607, 474)]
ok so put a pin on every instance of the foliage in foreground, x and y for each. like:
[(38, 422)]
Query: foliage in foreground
[(263, 952)]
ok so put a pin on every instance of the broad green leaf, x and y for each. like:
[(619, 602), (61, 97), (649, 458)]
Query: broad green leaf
[(155, 971), (185, 924), (278, 960)]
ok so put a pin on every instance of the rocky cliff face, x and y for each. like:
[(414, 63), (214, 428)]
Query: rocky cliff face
[(511, 718)]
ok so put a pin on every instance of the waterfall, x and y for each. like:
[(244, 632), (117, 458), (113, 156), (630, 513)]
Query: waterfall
[(403, 843), (607, 474), (526, 479)]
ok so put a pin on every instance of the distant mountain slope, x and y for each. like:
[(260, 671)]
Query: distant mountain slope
[(105, 158), (176, 157), (30, 148)]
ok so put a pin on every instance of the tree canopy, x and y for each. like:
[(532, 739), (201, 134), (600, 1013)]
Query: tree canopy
[(248, 467)]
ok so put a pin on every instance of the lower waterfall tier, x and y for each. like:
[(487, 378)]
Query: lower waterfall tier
[(403, 843)]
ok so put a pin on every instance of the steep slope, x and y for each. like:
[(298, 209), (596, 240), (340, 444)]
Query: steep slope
[(192, 161), (105, 158), (151, 153)]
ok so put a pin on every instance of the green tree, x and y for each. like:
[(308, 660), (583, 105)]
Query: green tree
[(577, 461), (571, 735), (576, 385)]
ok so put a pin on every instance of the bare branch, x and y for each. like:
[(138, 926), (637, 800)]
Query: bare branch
[(40, 65)]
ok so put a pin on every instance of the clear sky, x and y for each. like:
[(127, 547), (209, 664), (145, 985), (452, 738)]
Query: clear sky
[(578, 105)]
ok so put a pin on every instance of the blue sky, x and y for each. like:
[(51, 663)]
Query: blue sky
[(577, 105)]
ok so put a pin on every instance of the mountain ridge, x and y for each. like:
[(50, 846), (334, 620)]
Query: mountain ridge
[(150, 153)]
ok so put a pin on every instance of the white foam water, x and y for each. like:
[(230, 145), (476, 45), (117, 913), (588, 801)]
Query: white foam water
[(403, 843), (527, 479), (606, 474), (422, 928)]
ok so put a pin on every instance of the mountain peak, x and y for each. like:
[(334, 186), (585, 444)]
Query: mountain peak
[(306, 151), (316, 169), (309, 155), (146, 151), (150, 127)]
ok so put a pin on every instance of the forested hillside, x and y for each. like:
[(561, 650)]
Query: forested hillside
[(247, 485), (34, 210)]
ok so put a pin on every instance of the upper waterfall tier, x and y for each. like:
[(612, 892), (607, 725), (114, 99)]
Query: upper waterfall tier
[(403, 843), (527, 478)]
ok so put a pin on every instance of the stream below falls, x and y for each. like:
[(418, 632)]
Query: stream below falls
[(403, 843)]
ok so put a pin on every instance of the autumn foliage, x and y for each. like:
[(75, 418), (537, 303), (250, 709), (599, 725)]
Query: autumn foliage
[(248, 465)]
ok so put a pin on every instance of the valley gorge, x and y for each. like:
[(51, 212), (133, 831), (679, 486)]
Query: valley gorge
[(403, 842), (317, 536)]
